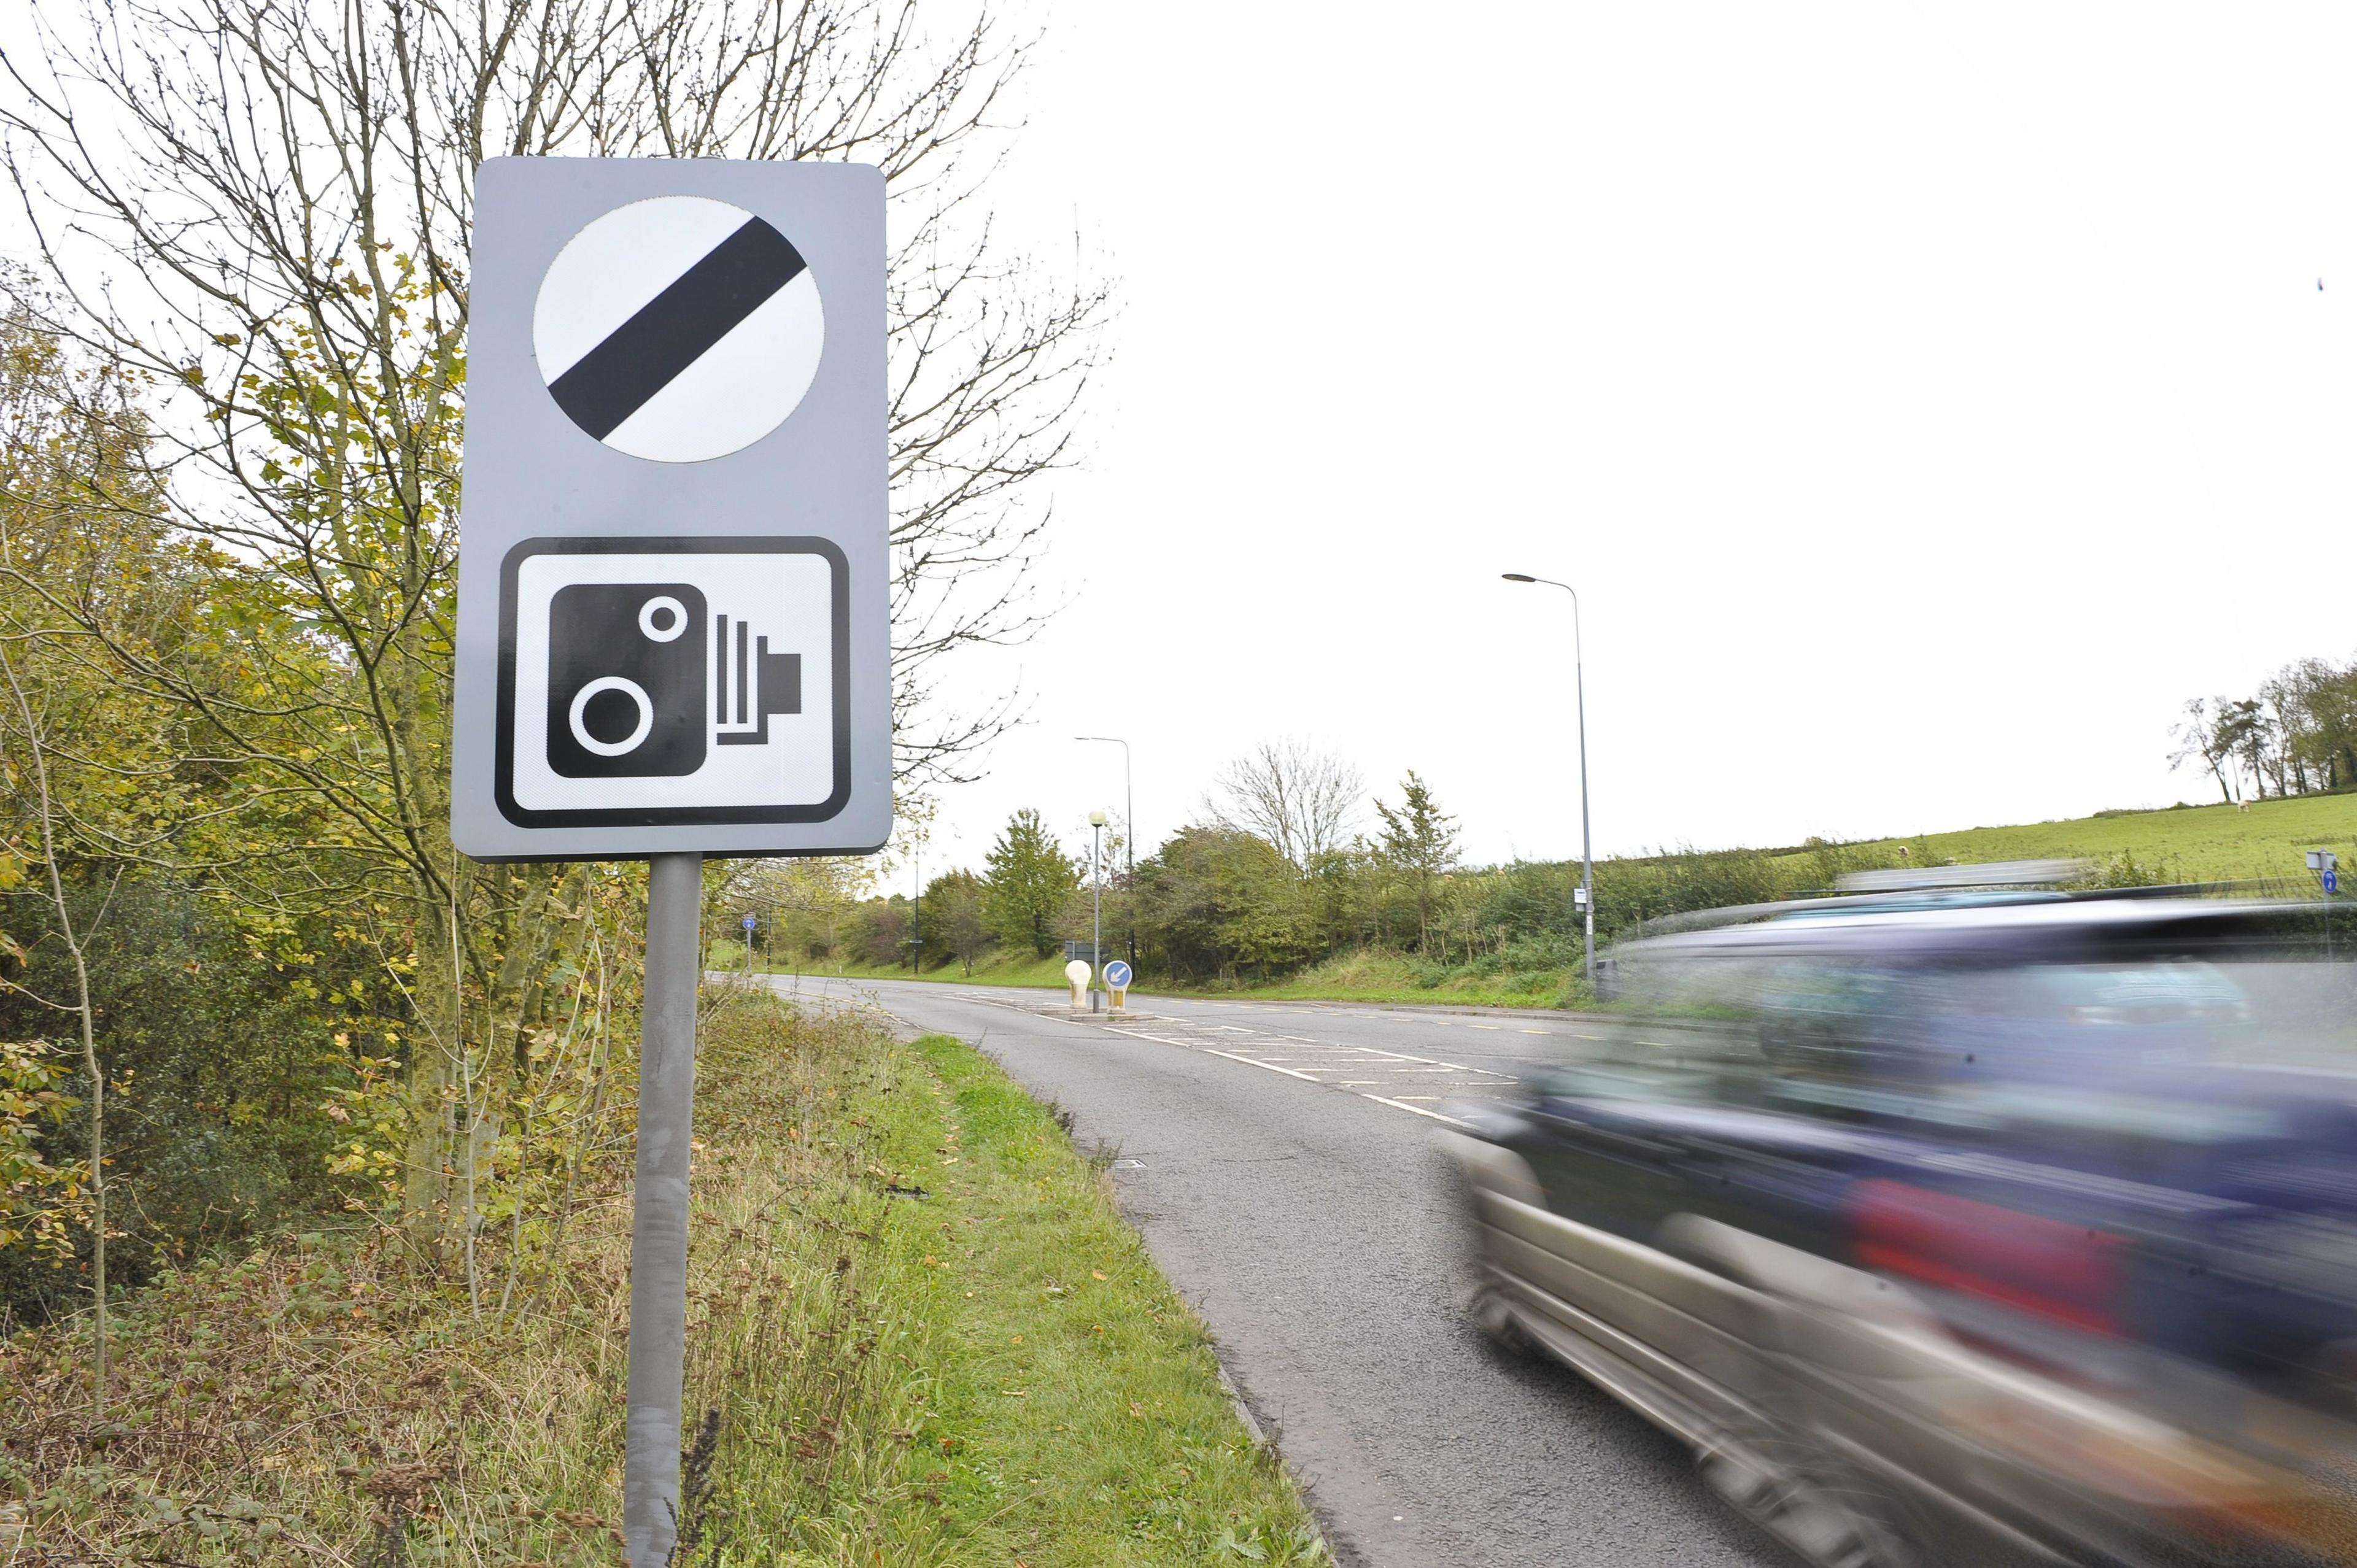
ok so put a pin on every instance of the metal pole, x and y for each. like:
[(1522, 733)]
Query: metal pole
[(1586, 852), (917, 921), (1128, 833), (1096, 896), (1129, 850), (659, 1211)]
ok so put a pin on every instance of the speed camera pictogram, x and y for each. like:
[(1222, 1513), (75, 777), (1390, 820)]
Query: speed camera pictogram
[(672, 681)]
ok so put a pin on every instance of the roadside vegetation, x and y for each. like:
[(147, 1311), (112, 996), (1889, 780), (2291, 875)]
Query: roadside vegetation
[(247, 985), (920, 1333), (1224, 907)]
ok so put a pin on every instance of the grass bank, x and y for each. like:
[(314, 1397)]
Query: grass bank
[(2191, 843), (919, 1334), (1349, 977), (995, 967)]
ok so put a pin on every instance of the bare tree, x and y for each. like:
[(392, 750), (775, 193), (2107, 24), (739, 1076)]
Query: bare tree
[(32, 734), (1303, 801), (2210, 739), (261, 210)]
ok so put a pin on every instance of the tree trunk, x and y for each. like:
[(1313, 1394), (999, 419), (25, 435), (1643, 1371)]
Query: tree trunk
[(435, 1038)]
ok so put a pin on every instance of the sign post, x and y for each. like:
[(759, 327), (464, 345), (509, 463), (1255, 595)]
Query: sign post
[(1096, 899), (673, 634), (2327, 866), (659, 1211), (1116, 979)]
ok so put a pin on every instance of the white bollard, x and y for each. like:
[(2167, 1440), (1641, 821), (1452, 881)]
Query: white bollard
[(1077, 975)]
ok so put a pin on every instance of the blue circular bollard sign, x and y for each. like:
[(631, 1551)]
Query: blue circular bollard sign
[(748, 922), (1116, 975), (2332, 881)]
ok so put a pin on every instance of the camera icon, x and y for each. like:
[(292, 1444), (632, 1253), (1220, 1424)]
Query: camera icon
[(626, 680), (671, 680)]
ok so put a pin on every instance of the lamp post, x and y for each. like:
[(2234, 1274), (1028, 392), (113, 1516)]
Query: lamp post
[(1587, 859), (1128, 833), (1096, 902)]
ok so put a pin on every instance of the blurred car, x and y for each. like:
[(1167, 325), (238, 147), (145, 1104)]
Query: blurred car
[(1961, 1227)]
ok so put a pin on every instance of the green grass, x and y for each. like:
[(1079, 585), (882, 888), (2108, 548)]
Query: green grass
[(925, 1334), (1348, 977), (2199, 843), (995, 967), (1371, 976)]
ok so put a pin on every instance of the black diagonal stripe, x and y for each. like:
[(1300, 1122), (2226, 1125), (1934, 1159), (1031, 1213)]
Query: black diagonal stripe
[(673, 330)]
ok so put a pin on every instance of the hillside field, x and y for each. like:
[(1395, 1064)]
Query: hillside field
[(2191, 843)]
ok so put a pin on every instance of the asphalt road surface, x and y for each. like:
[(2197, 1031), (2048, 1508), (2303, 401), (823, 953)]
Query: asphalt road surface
[(1280, 1160)]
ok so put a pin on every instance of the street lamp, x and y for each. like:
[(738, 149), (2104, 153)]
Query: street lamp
[(1096, 898), (1128, 835), (1587, 860)]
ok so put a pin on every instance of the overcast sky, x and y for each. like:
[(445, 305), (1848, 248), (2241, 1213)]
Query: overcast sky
[(1925, 399)]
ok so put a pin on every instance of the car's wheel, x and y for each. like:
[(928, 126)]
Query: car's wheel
[(1830, 1520), (1495, 1318)]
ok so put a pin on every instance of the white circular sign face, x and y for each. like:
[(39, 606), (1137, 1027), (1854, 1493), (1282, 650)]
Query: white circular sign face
[(678, 328)]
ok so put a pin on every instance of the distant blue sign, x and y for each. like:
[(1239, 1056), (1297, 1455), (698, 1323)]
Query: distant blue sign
[(2332, 882), (1117, 975), (748, 923)]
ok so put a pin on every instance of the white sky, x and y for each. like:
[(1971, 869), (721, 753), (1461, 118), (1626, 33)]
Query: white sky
[(1926, 400)]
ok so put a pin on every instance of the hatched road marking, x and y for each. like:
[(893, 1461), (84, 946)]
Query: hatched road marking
[(1324, 1062), (1398, 1077)]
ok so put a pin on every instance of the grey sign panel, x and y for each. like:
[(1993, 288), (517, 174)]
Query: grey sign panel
[(673, 630)]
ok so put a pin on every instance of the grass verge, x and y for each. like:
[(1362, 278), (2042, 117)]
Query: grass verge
[(1364, 977), (2192, 843), (918, 1334)]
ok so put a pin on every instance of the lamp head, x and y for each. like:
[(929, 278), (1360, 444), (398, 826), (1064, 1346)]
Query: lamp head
[(1518, 578), (1097, 819)]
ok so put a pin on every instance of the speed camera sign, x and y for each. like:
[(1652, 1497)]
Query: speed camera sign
[(672, 623)]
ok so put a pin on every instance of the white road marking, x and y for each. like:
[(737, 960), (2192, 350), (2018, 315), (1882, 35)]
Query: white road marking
[(1249, 1062), (1323, 1056), (1413, 1109)]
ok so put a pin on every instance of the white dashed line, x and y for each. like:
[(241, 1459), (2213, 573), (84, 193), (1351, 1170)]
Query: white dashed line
[(1319, 1055), (1413, 1110)]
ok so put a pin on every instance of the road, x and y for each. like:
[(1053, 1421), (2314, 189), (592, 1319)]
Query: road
[(1279, 1159)]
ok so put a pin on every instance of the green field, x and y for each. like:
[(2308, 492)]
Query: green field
[(2195, 844)]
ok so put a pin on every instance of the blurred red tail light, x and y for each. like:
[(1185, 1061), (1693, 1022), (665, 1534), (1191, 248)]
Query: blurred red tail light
[(2064, 1273)]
